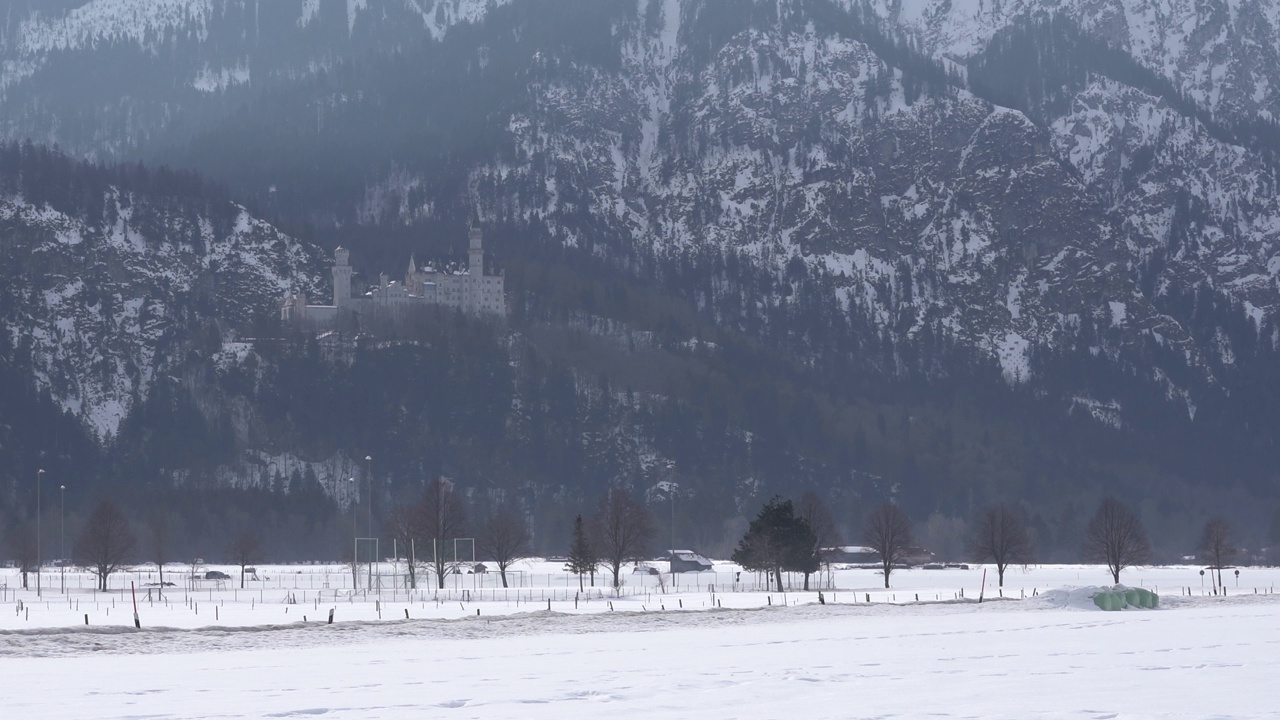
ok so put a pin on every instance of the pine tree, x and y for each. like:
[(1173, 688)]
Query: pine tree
[(776, 540), (582, 557)]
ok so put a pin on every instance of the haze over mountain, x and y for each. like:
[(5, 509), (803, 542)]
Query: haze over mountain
[(940, 252)]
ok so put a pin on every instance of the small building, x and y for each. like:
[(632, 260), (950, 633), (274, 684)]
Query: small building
[(852, 554), (916, 555), (688, 561), (862, 555)]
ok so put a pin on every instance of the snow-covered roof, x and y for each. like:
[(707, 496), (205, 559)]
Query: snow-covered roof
[(852, 549), (688, 555)]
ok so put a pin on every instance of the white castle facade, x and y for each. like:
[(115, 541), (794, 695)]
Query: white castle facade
[(468, 289)]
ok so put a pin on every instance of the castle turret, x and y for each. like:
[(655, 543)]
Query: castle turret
[(341, 276), (476, 253)]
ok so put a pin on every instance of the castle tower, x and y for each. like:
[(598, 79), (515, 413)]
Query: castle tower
[(476, 253), (341, 276), (475, 277)]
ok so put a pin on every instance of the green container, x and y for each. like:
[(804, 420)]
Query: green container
[(1113, 600), (1109, 600)]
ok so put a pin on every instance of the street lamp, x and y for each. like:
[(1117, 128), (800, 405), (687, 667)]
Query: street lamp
[(62, 534), (672, 492), (353, 492), (39, 477), (355, 532), (368, 474)]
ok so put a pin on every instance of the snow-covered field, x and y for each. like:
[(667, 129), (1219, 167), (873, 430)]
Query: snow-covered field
[(249, 653)]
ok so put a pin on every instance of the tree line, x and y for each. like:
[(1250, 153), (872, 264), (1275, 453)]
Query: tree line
[(783, 537), (108, 543)]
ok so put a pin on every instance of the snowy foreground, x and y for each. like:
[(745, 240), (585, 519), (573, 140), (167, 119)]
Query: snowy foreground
[(743, 655)]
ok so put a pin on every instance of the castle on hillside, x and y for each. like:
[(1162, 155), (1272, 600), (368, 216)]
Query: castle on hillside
[(469, 289)]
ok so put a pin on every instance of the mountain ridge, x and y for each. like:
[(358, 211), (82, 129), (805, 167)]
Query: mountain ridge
[(818, 198)]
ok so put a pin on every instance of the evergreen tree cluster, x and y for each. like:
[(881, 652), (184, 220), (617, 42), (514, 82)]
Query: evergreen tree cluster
[(777, 540)]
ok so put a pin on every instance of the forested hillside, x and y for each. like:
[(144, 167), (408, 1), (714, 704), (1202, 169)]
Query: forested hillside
[(749, 248)]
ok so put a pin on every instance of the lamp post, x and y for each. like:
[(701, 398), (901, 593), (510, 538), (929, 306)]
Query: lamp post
[(62, 534), (671, 490), (355, 531), (39, 477), (368, 474), (671, 495)]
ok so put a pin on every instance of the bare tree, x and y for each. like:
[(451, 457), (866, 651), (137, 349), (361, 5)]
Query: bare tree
[(404, 524), (889, 535), (813, 511), (245, 549), (1116, 538), (1216, 547), (505, 539), (22, 543), (197, 570), (624, 529), (443, 519), (106, 543), (1002, 538)]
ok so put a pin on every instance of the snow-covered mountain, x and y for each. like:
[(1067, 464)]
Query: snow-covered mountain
[(1080, 193), (104, 299), (127, 70), (927, 207), (1225, 54), (152, 24), (787, 136)]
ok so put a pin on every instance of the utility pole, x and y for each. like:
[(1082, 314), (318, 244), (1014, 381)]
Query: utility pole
[(671, 494), (39, 477), (355, 534), (62, 535), (671, 490), (368, 474)]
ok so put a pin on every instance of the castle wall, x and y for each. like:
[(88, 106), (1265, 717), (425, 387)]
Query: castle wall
[(391, 303), (319, 318), (477, 294)]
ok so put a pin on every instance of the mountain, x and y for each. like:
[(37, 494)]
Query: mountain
[(105, 283), (1222, 55), (114, 279), (936, 251), (127, 75)]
